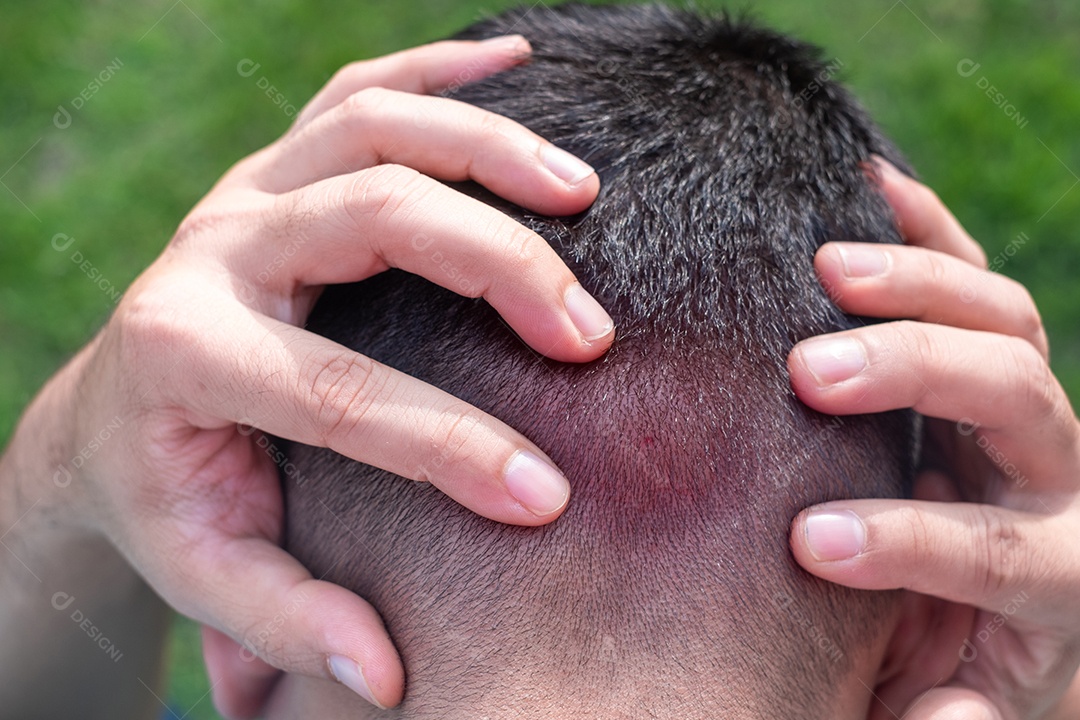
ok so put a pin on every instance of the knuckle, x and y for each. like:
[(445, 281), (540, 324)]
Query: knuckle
[(1029, 378), (255, 641), (198, 222), (436, 51), (492, 128), (222, 220), (352, 74), (272, 638), (343, 390), (150, 323), (384, 195), (920, 542), (936, 270), (1030, 321), (921, 350), (363, 104), (452, 438), (999, 562), (525, 250)]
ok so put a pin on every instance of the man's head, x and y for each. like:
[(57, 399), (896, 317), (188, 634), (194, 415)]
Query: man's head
[(727, 157)]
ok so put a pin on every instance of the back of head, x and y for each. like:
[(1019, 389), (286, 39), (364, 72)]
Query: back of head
[(727, 157)]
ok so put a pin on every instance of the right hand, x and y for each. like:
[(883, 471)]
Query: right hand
[(210, 337), (994, 529)]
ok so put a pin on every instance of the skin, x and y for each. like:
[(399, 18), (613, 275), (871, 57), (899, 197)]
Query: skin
[(181, 500), (970, 544), (973, 354), (542, 695)]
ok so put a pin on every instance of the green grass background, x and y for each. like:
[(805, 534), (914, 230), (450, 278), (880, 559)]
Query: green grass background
[(176, 114)]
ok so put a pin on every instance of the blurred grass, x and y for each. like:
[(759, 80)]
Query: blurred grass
[(175, 113)]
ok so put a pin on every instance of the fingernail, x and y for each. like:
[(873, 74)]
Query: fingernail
[(515, 44), (591, 320), (885, 167), (862, 261), (568, 168), (348, 672), (879, 169), (833, 360), (834, 535), (536, 484)]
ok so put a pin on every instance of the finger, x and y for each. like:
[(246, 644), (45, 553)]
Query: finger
[(997, 388), (922, 218), (305, 388), (941, 703), (426, 69), (240, 683), (443, 138), (981, 555), (266, 601), (391, 216), (892, 281)]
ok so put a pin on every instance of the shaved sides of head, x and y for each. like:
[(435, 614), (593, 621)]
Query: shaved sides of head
[(727, 156)]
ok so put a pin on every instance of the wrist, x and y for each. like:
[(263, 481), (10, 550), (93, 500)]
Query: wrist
[(40, 472), (47, 510)]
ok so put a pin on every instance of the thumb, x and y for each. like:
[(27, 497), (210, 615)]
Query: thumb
[(973, 554), (262, 598), (240, 683), (942, 703)]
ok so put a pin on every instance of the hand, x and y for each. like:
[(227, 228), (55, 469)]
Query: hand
[(209, 338), (972, 354)]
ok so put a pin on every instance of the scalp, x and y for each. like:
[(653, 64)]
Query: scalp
[(687, 451)]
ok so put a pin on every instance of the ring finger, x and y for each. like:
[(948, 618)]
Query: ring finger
[(893, 281)]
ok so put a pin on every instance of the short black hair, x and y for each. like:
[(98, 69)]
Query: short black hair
[(727, 155)]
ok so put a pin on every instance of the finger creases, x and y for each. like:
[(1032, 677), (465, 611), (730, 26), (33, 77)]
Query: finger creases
[(306, 388)]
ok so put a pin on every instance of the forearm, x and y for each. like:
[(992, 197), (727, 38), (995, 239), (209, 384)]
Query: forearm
[(82, 634)]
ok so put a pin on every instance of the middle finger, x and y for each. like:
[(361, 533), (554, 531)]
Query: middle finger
[(392, 216), (443, 138), (895, 281), (997, 388)]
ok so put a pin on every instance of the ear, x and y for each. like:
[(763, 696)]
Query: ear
[(928, 641), (926, 648)]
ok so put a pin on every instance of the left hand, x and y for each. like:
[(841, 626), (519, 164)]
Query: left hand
[(972, 356)]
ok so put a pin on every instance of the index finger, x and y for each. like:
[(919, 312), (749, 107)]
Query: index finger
[(306, 388), (922, 218), (424, 70)]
